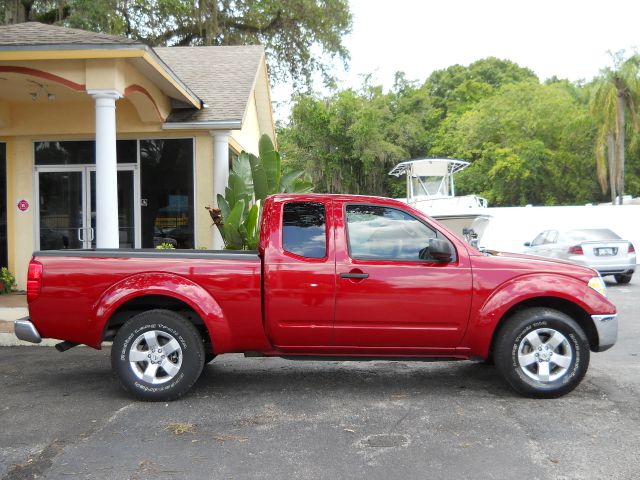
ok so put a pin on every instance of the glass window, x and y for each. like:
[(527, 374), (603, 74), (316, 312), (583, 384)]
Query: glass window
[(81, 152), (539, 240), (551, 237), (385, 233), (304, 229), (166, 181)]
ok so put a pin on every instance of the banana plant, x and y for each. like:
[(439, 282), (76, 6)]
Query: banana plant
[(251, 179)]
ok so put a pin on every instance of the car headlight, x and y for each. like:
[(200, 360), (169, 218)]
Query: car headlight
[(597, 283)]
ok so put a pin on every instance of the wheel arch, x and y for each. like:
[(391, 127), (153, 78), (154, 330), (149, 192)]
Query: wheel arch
[(143, 292), (571, 309)]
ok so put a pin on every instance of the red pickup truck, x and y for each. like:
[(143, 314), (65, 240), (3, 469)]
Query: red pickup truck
[(335, 276)]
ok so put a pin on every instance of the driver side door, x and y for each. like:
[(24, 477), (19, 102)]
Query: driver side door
[(388, 299)]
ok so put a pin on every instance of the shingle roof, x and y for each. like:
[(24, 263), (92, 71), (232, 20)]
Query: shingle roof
[(222, 77), (34, 33)]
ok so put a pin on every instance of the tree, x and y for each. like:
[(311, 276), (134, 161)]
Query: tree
[(529, 143), (349, 141), (458, 88), (301, 37), (615, 97)]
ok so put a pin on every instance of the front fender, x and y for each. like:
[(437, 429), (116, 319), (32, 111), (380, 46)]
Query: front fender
[(168, 285), (517, 290)]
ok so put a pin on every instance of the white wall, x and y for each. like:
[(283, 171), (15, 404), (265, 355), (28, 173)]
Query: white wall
[(510, 227)]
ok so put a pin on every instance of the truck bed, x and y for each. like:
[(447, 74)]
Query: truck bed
[(77, 296)]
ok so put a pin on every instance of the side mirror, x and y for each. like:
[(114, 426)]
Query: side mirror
[(438, 250), (527, 244)]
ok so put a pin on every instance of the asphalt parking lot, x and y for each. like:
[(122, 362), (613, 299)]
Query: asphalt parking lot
[(65, 416)]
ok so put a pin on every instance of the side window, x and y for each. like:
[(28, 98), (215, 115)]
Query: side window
[(304, 230), (376, 232), (551, 237), (539, 240)]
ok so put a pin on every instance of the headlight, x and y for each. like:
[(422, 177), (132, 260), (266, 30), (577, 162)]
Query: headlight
[(597, 283)]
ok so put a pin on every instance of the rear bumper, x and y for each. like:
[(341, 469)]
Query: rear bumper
[(616, 270), (25, 330), (607, 327)]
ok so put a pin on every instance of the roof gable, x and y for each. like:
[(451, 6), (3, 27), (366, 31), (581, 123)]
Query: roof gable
[(223, 77)]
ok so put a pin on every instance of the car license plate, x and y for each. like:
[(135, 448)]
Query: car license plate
[(604, 252)]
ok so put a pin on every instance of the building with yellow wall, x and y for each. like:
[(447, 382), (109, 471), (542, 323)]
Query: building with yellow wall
[(106, 142)]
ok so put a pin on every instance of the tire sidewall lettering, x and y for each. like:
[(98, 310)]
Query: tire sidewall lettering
[(574, 345)]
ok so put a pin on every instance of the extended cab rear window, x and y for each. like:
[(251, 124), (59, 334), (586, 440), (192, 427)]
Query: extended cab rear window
[(304, 231)]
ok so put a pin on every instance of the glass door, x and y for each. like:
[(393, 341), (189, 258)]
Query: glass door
[(61, 207), (67, 212)]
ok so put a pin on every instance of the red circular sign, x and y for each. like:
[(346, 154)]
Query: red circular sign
[(23, 205)]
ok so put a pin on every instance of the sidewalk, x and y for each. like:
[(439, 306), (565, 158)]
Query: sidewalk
[(12, 307)]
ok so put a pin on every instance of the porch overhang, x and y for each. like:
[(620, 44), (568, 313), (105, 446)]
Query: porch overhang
[(141, 56)]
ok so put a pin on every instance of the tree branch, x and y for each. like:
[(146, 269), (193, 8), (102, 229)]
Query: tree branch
[(274, 24)]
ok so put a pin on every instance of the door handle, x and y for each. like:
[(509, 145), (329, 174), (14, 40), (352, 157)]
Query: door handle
[(354, 275), (80, 237)]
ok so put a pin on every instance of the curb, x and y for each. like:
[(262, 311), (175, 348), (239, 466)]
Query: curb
[(10, 340), (7, 338)]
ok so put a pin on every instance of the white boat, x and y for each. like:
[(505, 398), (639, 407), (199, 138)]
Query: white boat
[(431, 189)]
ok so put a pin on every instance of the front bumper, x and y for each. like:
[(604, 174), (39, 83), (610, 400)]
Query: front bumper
[(25, 330), (607, 327)]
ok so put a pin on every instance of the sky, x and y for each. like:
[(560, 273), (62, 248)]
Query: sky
[(566, 38)]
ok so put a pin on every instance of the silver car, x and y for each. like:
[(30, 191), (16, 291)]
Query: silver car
[(597, 248)]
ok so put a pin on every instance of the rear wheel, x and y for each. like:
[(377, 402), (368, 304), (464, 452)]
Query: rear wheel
[(542, 353), (158, 355), (623, 278)]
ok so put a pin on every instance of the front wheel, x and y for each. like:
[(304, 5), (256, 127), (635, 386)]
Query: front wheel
[(157, 355), (541, 353)]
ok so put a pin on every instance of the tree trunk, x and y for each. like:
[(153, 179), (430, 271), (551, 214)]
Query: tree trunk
[(611, 161), (620, 127), (16, 11)]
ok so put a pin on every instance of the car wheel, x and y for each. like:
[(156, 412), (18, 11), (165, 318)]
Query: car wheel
[(157, 355), (623, 278), (541, 353)]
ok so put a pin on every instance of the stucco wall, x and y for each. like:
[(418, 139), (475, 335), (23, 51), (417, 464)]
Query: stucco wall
[(248, 138)]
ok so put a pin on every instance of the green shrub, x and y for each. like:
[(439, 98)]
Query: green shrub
[(165, 246), (8, 281)]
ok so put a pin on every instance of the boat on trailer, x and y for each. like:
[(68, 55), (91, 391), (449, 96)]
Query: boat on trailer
[(431, 189)]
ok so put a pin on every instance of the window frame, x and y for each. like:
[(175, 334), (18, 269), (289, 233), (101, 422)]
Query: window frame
[(438, 233), (295, 256)]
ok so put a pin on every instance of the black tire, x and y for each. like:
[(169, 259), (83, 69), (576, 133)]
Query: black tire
[(174, 336), (623, 278), (514, 341)]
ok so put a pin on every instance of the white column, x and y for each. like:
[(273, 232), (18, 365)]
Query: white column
[(220, 174), (107, 232)]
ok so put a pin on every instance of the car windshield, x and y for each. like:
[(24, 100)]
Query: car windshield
[(591, 234)]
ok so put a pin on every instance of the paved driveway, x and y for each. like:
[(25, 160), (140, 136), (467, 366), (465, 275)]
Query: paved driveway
[(65, 416)]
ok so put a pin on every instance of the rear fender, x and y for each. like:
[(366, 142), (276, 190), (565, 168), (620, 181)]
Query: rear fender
[(165, 284), (527, 287)]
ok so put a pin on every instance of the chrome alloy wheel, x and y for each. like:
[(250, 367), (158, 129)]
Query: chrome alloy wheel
[(545, 355), (155, 357)]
